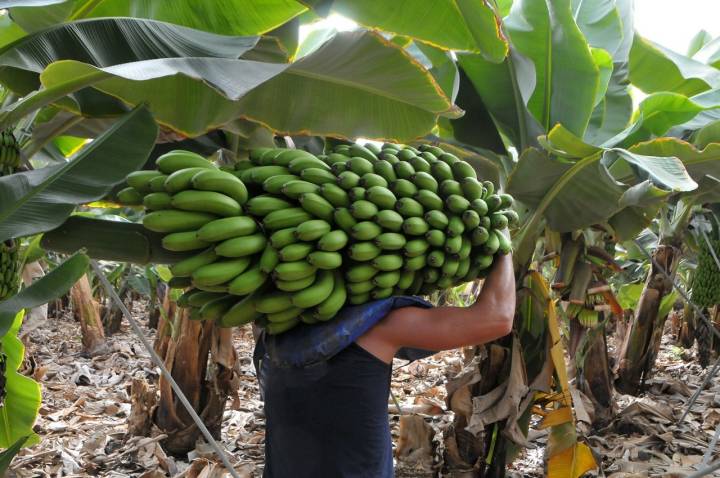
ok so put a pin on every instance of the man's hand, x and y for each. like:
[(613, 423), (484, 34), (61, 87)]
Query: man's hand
[(443, 328)]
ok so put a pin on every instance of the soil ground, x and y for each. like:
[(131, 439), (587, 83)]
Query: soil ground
[(86, 402)]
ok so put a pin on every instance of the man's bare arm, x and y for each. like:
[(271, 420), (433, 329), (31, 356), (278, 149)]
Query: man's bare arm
[(444, 328)]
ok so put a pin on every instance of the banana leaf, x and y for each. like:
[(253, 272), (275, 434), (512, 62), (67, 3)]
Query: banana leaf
[(107, 42), (566, 76), (465, 25), (22, 400), (331, 92), (654, 69), (54, 284), (7, 455), (227, 17), (40, 200)]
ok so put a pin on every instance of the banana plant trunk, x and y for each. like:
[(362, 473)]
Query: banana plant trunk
[(640, 346), (201, 359), (87, 313), (588, 348)]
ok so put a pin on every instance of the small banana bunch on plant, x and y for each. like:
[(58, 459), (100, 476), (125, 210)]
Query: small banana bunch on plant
[(289, 237), (9, 257)]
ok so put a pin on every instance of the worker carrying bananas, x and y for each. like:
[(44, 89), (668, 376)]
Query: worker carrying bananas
[(326, 387)]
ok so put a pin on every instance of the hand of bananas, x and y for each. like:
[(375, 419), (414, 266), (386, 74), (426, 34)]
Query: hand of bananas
[(706, 280), (289, 237)]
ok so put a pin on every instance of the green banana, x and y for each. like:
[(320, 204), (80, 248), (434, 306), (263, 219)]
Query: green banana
[(176, 221), (364, 251), (176, 160), (363, 209), (357, 299), (157, 201), (183, 241), (419, 164), (348, 180), (248, 282), (471, 219), (362, 152), (312, 230), (284, 316), (403, 188), (317, 176), (241, 246), (206, 201), (186, 267), (437, 219), (317, 205), (316, 293), (455, 226), (379, 293), (226, 228), (435, 237), (406, 279), (360, 272), (243, 312), (436, 258), (381, 196), (429, 200), (282, 238), (344, 219), (295, 252), (416, 247), (221, 182), (448, 187), (140, 180), (456, 203), (328, 308), (390, 220), (290, 271), (263, 205), (259, 174), (269, 259), (472, 189), (390, 241), (425, 181), (365, 231), (388, 262), (275, 184), (385, 169), (130, 196), (297, 165), (325, 260), (215, 309), (295, 285), (333, 241), (387, 279), (409, 207), (360, 166), (274, 302), (286, 218), (294, 189), (335, 195), (181, 180), (415, 226), (275, 328), (369, 180), (356, 288), (404, 170)]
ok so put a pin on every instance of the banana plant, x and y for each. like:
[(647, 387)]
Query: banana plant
[(560, 98)]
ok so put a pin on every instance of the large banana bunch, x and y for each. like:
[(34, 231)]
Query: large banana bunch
[(706, 280), (9, 260), (289, 237)]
